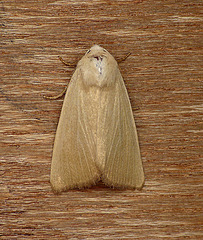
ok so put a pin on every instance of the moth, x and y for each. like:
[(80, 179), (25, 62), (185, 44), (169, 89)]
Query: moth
[(96, 137)]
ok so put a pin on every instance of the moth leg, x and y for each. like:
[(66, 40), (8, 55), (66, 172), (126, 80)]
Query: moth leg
[(67, 64), (123, 59), (58, 96)]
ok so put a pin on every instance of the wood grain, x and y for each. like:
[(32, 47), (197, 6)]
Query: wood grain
[(163, 76)]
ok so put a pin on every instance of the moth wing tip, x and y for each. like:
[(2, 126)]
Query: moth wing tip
[(58, 188), (140, 186), (122, 185)]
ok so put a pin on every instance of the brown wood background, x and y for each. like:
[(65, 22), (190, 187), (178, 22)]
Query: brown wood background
[(163, 78)]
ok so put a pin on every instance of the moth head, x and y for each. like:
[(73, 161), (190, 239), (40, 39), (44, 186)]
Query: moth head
[(98, 67), (97, 49)]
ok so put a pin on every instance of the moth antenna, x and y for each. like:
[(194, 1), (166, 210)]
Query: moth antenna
[(58, 96), (67, 64), (124, 58)]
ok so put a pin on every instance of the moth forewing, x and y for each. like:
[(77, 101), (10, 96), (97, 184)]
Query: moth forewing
[(73, 163)]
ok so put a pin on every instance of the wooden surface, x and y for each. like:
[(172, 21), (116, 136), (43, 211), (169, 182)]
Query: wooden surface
[(163, 78)]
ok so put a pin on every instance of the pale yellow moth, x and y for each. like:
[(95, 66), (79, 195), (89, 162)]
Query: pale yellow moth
[(96, 137)]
